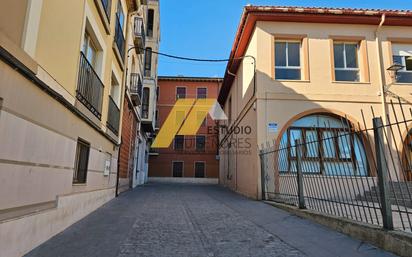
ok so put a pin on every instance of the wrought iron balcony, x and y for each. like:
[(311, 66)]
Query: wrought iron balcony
[(113, 116), (139, 36), (119, 38), (136, 87), (89, 87), (107, 6)]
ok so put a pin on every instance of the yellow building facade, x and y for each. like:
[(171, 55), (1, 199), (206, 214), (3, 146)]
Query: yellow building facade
[(62, 85), (269, 93)]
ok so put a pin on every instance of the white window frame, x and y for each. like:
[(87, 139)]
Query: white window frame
[(197, 95), (204, 149), (204, 170), (344, 57), (183, 168), (287, 58), (204, 121), (174, 145), (185, 87), (404, 63)]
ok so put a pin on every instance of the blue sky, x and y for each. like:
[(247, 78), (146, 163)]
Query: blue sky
[(206, 29)]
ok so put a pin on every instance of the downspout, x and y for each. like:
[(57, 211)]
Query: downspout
[(382, 80), (118, 170)]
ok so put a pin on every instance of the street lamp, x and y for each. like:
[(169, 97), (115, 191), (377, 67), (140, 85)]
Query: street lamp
[(395, 68)]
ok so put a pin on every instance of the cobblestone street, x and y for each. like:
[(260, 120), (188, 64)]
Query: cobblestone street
[(188, 220)]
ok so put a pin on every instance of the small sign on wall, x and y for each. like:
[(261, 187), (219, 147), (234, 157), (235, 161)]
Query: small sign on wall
[(272, 127), (107, 168)]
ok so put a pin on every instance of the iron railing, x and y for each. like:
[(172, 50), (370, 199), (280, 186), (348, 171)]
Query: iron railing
[(113, 116), (107, 6), (139, 32), (369, 180), (119, 38), (90, 87), (136, 85)]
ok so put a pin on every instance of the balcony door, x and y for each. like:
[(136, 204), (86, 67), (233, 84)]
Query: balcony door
[(177, 169), (89, 50), (199, 169)]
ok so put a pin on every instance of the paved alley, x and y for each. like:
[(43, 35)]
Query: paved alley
[(196, 220)]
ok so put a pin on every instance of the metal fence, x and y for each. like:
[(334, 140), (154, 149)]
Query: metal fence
[(89, 87), (354, 171), (113, 116)]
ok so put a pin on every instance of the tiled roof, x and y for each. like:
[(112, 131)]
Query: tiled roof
[(326, 10), (251, 14)]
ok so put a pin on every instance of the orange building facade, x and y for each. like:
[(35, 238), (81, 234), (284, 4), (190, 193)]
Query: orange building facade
[(187, 157)]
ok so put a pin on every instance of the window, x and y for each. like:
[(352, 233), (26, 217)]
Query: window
[(327, 144), (157, 93), (148, 62), (200, 143), (201, 92), (89, 50), (402, 54), (157, 121), (201, 117), (346, 61), (177, 169), (120, 15), (150, 22), (145, 103), (199, 169), (287, 60), (179, 142), (81, 162), (180, 116), (106, 6), (180, 92)]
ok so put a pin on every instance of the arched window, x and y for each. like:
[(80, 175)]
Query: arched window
[(329, 147)]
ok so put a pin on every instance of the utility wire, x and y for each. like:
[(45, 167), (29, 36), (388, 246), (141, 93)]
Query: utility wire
[(188, 58)]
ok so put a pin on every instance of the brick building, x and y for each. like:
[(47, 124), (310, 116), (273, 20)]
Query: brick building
[(127, 149), (187, 156)]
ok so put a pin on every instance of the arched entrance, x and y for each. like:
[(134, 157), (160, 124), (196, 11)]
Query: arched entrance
[(407, 157), (331, 147)]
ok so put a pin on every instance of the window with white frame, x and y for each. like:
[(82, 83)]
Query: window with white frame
[(346, 61), (201, 117), (402, 54), (180, 92), (287, 60), (89, 50), (200, 169), (201, 92)]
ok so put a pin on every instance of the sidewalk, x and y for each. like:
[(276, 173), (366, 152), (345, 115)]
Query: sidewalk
[(197, 220)]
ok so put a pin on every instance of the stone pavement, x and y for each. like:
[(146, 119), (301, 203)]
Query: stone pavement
[(196, 220)]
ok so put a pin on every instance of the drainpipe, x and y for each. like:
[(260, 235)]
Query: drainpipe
[(118, 170), (382, 80)]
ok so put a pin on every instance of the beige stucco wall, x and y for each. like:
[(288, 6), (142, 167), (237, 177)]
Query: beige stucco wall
[(38, 146), (59, 42), (12, 19), (280, 101), (19, 236)]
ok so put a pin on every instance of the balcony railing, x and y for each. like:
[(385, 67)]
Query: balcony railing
[(136, 87), (113, 116), (139, 34), (107, 6), (90, 87), (145, 111), (119, 38)]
